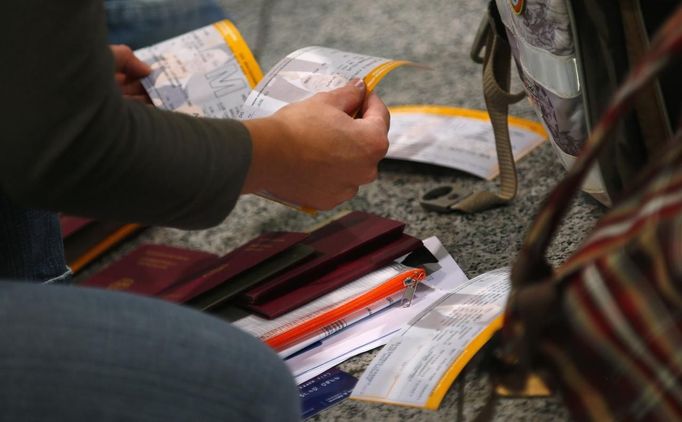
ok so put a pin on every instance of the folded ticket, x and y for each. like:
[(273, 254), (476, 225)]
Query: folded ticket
[(418, 365), (458, 138), (211, 72)]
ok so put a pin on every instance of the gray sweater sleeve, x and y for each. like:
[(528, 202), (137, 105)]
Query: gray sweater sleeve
[(71, 143)]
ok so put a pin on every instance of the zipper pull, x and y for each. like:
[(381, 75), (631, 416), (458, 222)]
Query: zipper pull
[(411, 283)]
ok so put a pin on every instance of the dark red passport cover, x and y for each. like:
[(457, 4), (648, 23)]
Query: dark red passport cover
[(71, 225), (150, 269), (337, 277), (234, 263), (344, 239)]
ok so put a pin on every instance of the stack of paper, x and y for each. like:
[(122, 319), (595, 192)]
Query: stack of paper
[(331, 313), (211, 72)]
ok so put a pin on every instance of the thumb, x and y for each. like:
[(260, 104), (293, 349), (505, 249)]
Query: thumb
[(126, 62), (348, 98)]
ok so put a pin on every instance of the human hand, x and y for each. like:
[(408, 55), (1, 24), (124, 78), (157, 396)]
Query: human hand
[(128, 70), (314, 153)]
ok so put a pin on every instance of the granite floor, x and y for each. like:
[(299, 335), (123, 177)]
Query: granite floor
[(433, 32)]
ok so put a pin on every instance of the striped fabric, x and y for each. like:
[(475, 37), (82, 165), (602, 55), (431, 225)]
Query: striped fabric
[(622, 305), (608, 322)]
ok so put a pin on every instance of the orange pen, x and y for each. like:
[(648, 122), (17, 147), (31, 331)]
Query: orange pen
[(97, 250), (301, 331)]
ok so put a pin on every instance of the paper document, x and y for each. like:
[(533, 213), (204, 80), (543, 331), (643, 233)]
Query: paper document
[(310, 70), (458, 138), (377, 329), (207, 72), (211, 72), (417, 367), (267, 329), (350, 311)]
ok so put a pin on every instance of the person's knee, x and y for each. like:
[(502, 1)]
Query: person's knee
[(263, 386), (87, 353)]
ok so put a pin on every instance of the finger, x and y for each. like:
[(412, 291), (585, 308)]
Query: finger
[(139, 98), (121, 54), (133, 88), (375, 110), (126, 62), (347, 98)]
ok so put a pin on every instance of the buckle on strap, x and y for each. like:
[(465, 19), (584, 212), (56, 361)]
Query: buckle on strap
[(480, 39), (443, 198)]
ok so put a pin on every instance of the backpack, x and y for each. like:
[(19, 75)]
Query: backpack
[(605, 327), (571, 55)]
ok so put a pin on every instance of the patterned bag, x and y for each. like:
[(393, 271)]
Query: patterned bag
[(571, 56), (607, 324)]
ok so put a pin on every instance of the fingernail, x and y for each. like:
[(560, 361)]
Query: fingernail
[(358, 83)]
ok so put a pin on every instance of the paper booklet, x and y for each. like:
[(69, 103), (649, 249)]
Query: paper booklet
[(418, 365), (211, 72), (458, 138)]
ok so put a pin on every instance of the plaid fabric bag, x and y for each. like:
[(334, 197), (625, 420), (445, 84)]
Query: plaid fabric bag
[(606, 326)]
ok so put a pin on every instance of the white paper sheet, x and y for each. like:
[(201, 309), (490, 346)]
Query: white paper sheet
[(302, 74), (377, 330), (263, 328)]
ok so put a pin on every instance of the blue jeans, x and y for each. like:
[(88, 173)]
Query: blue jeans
[(139, 23), (31, 246), (72, 353), (78, 354)]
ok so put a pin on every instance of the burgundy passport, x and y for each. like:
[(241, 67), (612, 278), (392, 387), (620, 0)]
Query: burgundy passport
[(150, 269), (344, 239), (71, 225), (234, 263), (337, 277)]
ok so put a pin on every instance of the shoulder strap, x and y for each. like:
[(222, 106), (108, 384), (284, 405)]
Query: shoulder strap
[(496, 80), (649, 105)]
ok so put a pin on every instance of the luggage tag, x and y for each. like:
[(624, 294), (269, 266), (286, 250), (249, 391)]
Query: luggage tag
[(443, 198)]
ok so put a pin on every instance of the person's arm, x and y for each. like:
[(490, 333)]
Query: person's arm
[(323, 154), (72, 143)]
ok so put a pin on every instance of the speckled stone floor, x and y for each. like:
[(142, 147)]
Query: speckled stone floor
[(433, 32)]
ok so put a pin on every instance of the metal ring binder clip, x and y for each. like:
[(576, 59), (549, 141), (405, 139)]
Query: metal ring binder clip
[(443, 198)]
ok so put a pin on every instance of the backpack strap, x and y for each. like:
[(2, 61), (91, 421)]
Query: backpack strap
[(649, 105), (496, 80)]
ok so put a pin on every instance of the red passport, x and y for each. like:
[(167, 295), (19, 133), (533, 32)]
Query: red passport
[(85, 240), (150, 269), (71, 225), (339, 276), (234, 263), (342, 240)]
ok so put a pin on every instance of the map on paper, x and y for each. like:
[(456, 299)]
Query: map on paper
[(458, 138), (418, 365)]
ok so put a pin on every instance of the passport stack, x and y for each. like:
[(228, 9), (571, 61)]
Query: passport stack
[(270, 275)]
